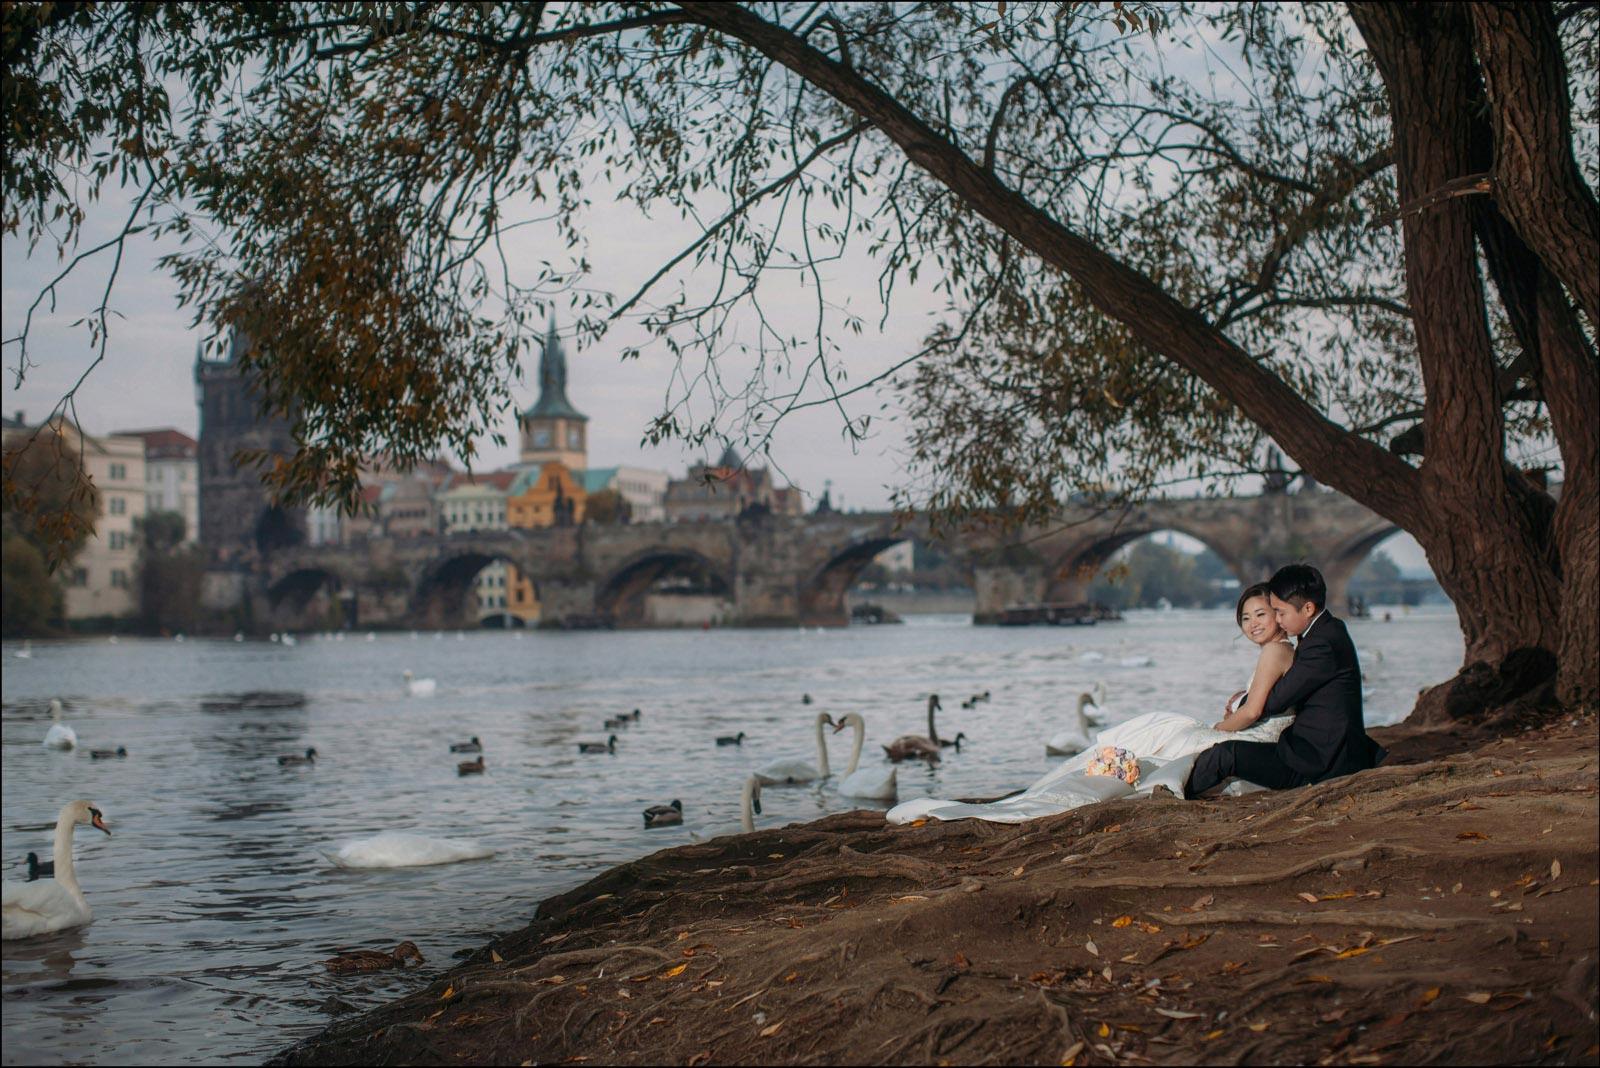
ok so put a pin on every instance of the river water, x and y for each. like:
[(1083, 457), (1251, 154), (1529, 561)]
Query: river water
[(214, 907)]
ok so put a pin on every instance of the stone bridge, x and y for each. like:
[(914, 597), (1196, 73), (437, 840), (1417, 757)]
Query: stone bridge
[(787, 570)]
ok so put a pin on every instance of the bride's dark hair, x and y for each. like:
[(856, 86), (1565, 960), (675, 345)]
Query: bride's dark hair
[(1259, 589)]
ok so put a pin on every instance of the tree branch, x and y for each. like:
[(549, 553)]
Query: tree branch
[(1332, 454)]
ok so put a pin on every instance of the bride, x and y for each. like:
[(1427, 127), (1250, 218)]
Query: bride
[(1166, 743)]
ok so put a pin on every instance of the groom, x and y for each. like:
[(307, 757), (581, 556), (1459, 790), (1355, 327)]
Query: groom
[(1327, 738)]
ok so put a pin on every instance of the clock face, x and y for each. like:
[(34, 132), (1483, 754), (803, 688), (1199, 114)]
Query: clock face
[(541, 439), (574, 438)]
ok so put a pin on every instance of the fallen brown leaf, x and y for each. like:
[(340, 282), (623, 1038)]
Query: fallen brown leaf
[(768, 1032), (1259, 1027), (1202, 902), (1178, 1014), (1477, 999), (1471, 834), (1122, 921), (1070, 1058), (496, 957), (1092, 948), (1555, 870), (1310, 899), (670, 972)]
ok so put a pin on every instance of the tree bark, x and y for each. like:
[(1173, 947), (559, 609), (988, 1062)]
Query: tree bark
[(1538, 183)]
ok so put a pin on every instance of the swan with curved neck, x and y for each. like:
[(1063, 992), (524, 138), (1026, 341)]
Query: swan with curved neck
[(922, 747), (876, 783), (41, 908), (750, 803), (1075, 739), (794, 770)]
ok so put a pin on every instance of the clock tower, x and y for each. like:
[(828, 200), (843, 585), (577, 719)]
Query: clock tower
[(553, 429)]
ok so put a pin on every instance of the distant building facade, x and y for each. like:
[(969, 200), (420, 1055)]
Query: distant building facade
[(100, 582), (172, 475), (643, 491), (728, 489)]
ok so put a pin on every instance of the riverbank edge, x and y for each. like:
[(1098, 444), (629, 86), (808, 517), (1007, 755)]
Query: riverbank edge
[(844, 940)]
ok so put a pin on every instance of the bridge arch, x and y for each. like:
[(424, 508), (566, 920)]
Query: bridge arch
[(448, 592), (822, 593), (1075, 569), (621, 599), (307, 598), (1347, 557)]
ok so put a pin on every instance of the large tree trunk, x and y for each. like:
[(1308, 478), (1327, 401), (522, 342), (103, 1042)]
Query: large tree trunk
[(1488, 548), (1542, 193), (1538, 182)]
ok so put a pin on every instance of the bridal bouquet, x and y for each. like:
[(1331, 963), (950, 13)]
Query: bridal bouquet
[(1118, 763)]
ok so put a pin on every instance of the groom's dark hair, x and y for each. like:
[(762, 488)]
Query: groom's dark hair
[(1299, 583)]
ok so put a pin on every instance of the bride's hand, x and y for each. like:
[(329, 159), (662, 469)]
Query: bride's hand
[(1227, 706)]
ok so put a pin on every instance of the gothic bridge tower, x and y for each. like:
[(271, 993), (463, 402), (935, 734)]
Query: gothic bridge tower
[(553, 429), (238, 521)]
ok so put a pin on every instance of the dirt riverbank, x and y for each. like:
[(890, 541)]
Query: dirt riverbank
[(1439, 909)]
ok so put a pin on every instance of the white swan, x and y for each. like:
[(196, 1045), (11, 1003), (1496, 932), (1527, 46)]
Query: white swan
[(1092, 657), (416, 687), (796, 770), (393, 849), (26, 652), (749, 809), (1076, 738), (44, 907), (876, 783), (1138, 661), (59, 736), (750, 803)]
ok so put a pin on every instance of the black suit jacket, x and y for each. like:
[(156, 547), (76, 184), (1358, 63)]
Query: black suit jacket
[(1328, 737)]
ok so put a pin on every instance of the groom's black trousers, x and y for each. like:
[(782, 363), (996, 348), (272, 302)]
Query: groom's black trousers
[(1256, 762)]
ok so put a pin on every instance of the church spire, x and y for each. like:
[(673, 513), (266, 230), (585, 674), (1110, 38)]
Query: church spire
[(553, 402)]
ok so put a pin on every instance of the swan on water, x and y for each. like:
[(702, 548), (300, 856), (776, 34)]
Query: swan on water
[(26, 652), (668, 815), (1076, 738), (795, 770), (749, 809), (416, 687), (876, 783), (920, 747), (394, 849), (40, 908), (1092, 657), (59, 736)]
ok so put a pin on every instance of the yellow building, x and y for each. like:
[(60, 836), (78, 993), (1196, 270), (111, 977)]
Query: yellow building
[(544, 496)]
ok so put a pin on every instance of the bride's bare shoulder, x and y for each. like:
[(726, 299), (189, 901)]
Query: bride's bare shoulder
[(1277, 653)]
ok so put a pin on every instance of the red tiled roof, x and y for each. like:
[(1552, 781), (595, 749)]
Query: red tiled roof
[(165, 438)]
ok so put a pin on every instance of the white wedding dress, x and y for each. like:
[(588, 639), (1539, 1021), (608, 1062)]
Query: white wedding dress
[(1166, 744)]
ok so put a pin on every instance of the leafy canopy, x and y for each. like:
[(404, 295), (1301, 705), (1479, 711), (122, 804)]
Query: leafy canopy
[(342, 177)]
